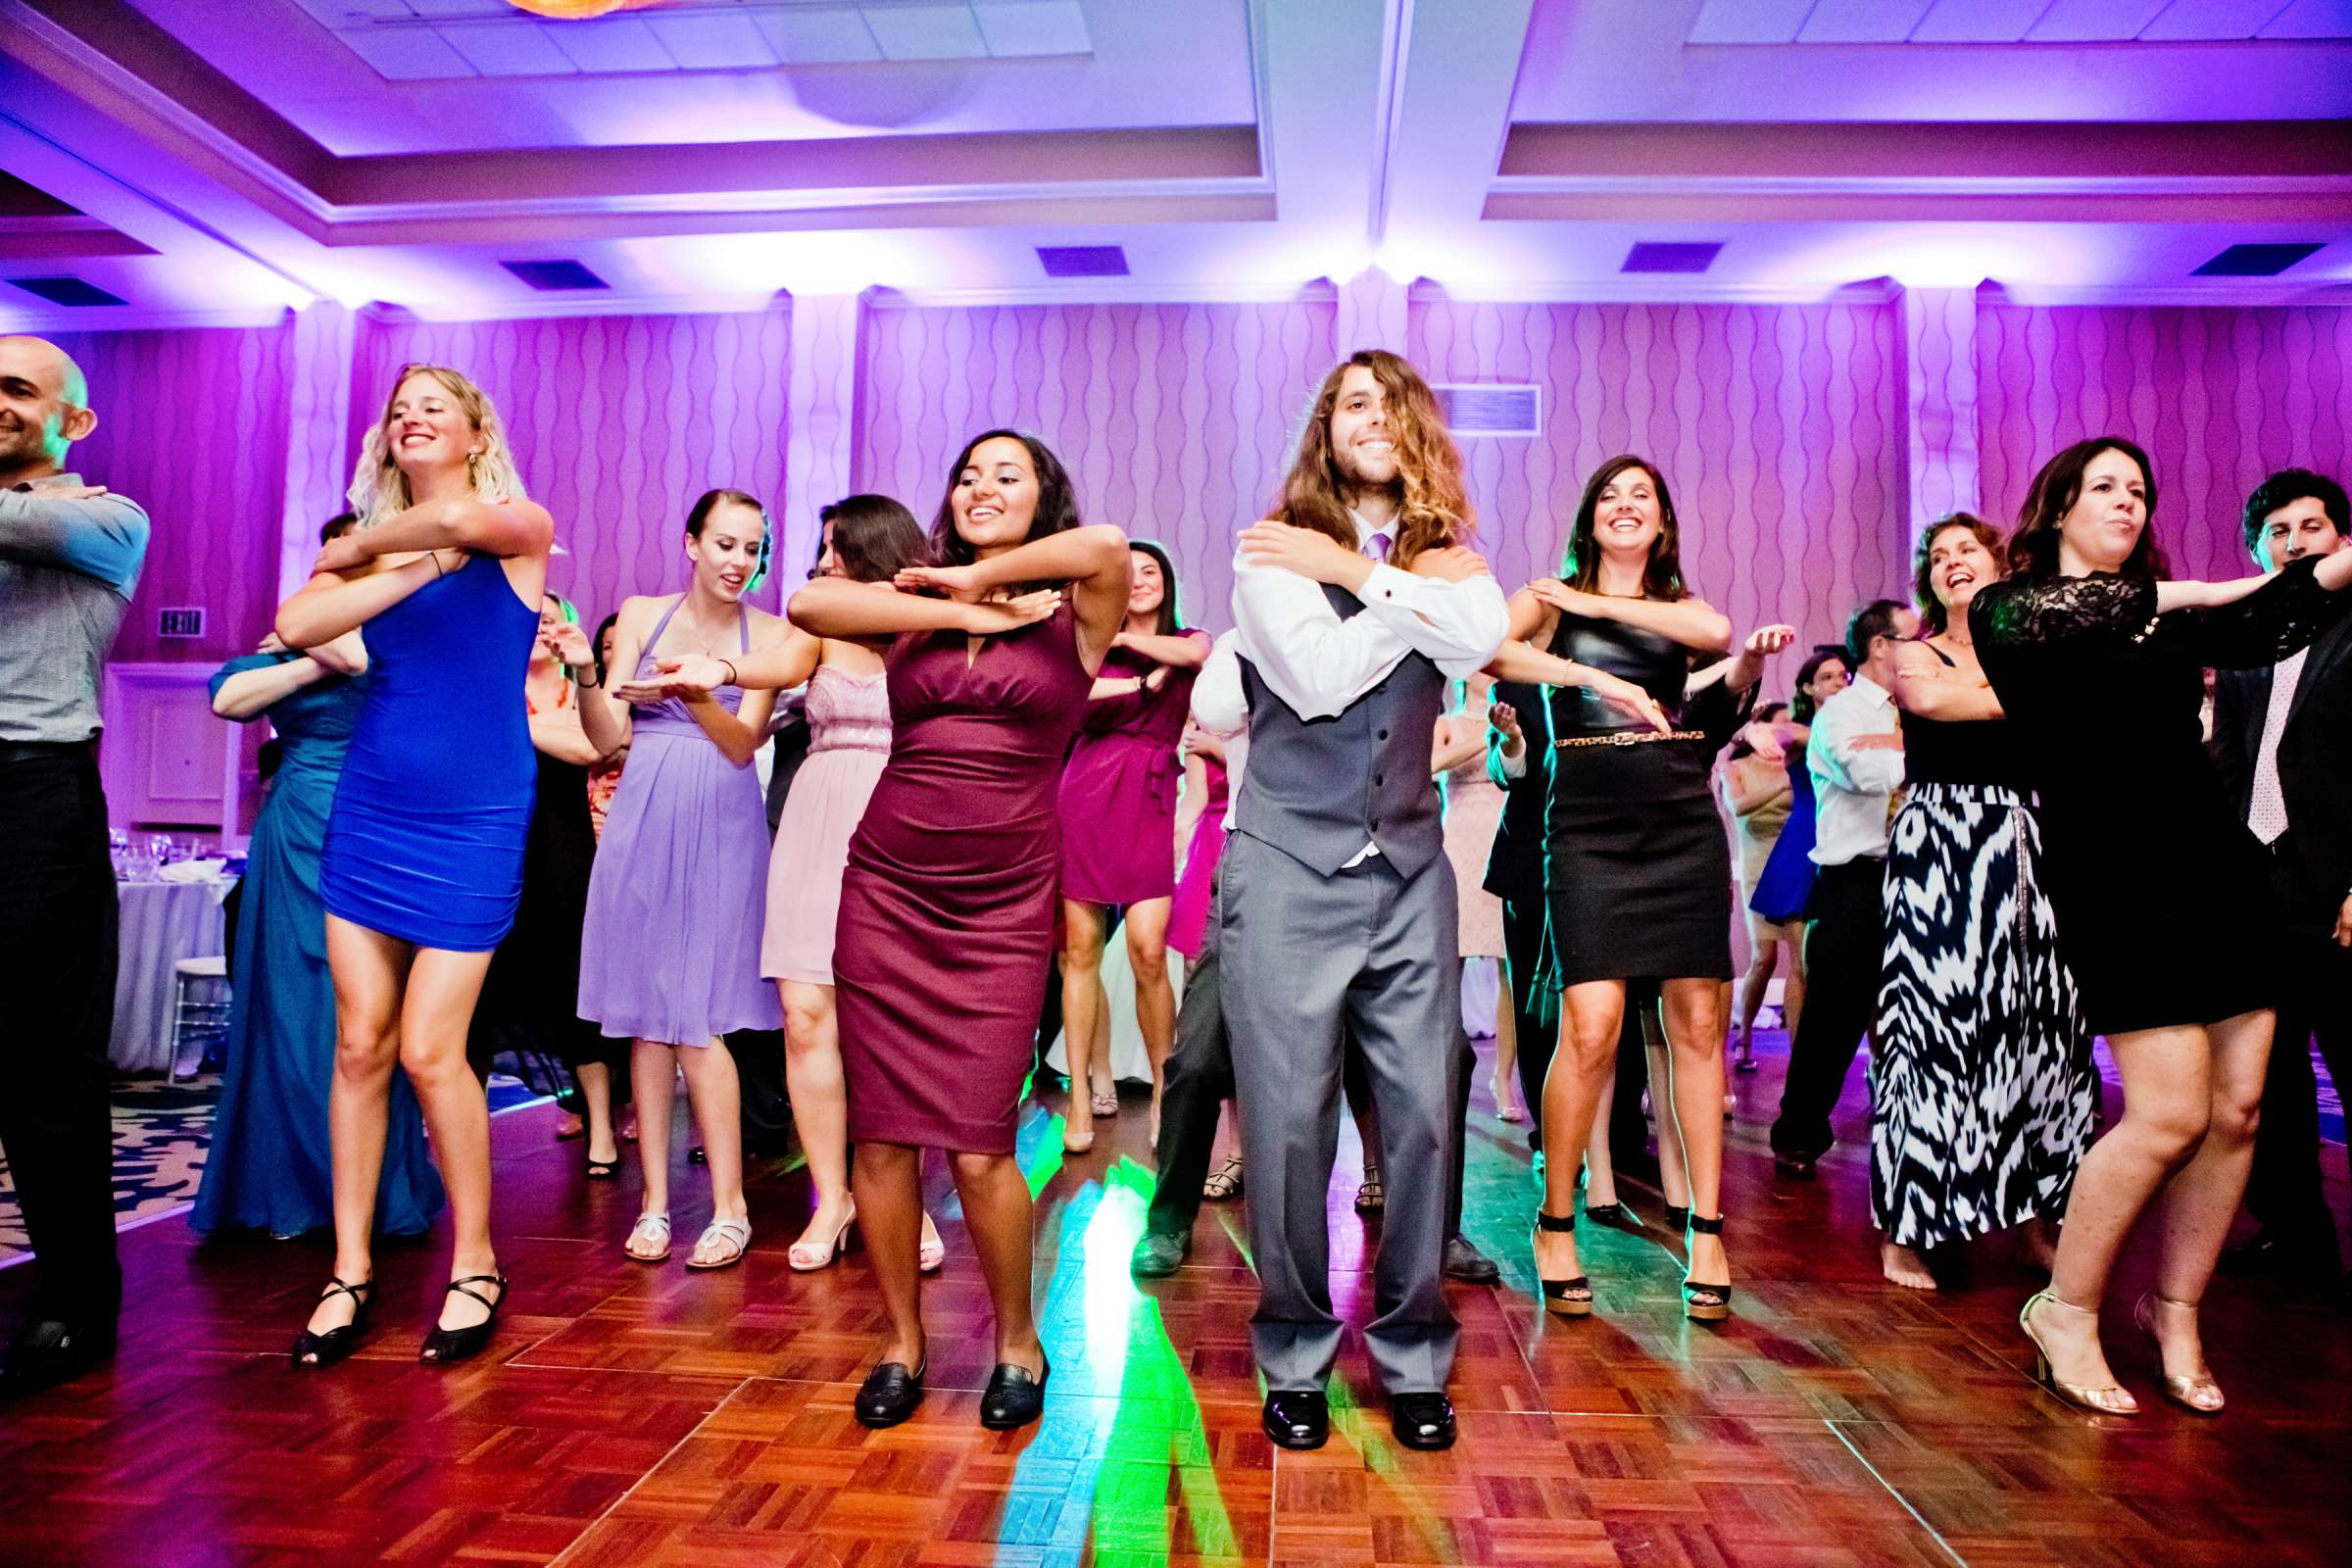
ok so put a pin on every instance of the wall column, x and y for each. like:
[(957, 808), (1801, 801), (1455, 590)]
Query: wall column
[(1372, 313), (820, 419), (1939, 403), (317, 429)]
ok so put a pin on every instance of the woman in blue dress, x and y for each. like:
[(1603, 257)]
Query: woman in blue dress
[(268, 1167), (423, 863)]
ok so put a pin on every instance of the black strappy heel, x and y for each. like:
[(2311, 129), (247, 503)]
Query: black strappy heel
[(317, 1350), (444, 1346), (1705, 1303), (1563, 1298)]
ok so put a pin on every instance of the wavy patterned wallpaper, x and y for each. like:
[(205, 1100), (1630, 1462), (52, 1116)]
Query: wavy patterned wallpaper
[(192, 426), (618, 423), (1173, 419), (2218, 397), (1777, 426)]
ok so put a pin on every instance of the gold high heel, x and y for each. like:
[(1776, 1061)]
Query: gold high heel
[(2107, 1399), (2200, 1393)]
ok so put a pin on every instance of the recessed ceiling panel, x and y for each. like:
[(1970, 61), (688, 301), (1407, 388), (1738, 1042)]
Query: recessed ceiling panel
[(613, 43), (1861, 20), (2210, 21), (713, 41), (2094, 21), (926, 32), (1750, 20), (1977, 21)]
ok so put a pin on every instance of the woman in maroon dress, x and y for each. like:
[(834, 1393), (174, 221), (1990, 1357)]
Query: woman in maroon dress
[(1119, 835), (948, 902)]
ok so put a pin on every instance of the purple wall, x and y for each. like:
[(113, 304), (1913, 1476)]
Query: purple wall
[(192, 426), (1173, 419), (2218, 397), (618, 421), (1777, 428)]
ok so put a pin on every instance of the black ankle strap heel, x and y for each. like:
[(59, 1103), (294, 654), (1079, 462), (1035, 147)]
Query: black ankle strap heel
[(1571, 1298)]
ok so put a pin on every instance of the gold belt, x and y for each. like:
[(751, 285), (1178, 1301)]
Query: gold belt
[(1632, 737)]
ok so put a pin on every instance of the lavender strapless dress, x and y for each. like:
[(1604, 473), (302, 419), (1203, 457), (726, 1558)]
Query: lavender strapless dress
[(671, 950), (849, 727)]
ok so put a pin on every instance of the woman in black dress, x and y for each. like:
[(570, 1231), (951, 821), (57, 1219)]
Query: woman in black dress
[(2098, 663), (1981, 1080), (1638, 872)]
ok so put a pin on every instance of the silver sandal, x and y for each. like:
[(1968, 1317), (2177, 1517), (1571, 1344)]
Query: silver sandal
[(737, 1232), (654, 1226)]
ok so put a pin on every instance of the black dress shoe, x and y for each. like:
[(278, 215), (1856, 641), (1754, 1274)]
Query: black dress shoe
[(1298, 1418), (889, 1394), (2273, 1251), (1014, 1397), (1466, 1262), (1422, 1420), (442, 1347), (50, 1352), (1796, 1168), (1159, 1254), (318, 1350), (1616, 1216)]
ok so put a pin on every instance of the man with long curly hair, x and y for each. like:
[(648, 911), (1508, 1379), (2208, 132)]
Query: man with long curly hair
[(1354, 601)]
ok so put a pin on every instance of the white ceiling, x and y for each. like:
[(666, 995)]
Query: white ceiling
[(228, 159)]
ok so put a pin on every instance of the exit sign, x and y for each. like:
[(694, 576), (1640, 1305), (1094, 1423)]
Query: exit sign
[(180, 622)]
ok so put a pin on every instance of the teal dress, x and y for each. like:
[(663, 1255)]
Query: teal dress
[(268, 1164)]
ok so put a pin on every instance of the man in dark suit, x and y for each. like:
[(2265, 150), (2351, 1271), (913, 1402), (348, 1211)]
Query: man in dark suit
[(2283, 738)]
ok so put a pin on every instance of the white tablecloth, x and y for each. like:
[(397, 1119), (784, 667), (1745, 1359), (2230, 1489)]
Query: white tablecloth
[(163, 923)]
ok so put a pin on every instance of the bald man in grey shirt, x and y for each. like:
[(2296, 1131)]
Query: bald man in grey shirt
[(70, 558)]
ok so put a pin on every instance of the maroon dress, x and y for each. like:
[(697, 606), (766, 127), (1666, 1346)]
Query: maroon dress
[(1119, 793), (949, 897)]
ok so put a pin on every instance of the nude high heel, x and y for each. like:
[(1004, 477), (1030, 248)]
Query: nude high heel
[(2106, 1399), (2197, 1392)]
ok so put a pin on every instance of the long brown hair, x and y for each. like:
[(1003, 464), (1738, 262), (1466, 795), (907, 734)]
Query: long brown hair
[(1662, 574), (2034, 548), (1170, 614), (1933, 619), (1432, 510)]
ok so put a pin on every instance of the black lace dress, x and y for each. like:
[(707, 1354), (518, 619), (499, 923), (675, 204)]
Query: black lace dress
[(2163, 899)]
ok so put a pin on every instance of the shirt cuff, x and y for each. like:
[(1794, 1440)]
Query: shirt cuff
[(1514, 766)]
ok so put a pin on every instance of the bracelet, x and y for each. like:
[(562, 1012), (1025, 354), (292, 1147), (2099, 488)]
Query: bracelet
[(732, 679), (434, 556), (587, 685)]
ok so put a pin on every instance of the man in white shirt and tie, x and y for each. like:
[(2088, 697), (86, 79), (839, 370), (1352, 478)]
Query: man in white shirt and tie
[(1856, 760), (2283, 739), (1337, 903)]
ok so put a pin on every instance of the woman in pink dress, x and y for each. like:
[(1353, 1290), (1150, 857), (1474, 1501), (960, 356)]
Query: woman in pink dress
[(1118, 828)]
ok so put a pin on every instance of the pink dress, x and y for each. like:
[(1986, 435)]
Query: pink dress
[(849, 729), (1118, 791), (1188, 917)]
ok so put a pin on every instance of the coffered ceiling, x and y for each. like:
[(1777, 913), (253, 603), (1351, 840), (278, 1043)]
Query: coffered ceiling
[(203, 159)]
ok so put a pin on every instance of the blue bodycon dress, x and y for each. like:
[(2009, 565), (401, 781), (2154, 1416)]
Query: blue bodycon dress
[(425, 841)]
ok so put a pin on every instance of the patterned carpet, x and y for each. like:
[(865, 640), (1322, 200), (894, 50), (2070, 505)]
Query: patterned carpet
[(162, 1130)]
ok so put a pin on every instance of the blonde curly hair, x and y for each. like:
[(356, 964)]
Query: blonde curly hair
[(379, 490)]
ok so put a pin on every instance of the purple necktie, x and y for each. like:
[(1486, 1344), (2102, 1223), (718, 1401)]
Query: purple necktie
[(1377, 547)]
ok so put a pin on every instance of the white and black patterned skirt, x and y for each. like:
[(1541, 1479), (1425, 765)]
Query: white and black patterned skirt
[(1982, 1083)]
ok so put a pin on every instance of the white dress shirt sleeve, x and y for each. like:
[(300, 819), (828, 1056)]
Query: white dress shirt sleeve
[(1312, 659), (1837, 761), (1219, 705), (1459, 626)]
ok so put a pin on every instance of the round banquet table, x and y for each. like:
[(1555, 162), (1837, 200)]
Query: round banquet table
[(163, 923)]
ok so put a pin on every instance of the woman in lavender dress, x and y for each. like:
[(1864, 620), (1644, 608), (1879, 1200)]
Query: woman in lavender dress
[(670, 954), (1118, 834)]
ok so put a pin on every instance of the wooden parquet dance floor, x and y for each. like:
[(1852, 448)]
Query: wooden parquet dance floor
[(630, 1415)]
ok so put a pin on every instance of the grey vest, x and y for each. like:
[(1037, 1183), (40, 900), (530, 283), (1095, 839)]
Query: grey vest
[(1320, 789)]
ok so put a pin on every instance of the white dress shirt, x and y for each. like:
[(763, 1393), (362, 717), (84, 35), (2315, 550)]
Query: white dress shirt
[(1319, 663), (1220, 707), (1852, 785)]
